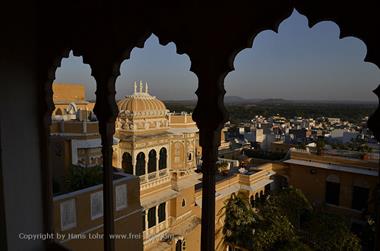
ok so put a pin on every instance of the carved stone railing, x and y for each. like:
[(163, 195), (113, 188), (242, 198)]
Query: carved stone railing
[(152, 176), (149, 183), (163, 172), (143, 179), (155, 232)]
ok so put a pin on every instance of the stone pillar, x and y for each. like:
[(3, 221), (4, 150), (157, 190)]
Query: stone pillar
[(84, 124), (146, 219), (46, 77), (119, 157), (146, 165), (156, 211), (210, 116), (106, 111), (133, 162), (374, 125), (157, 162), (209, 158)]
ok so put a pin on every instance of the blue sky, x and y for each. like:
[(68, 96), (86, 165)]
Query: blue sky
[(295, 63)]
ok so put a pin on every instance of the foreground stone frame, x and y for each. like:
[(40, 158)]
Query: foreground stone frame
[(105, 32)]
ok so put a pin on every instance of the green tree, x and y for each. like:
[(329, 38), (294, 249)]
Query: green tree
[(285, 221), (82, 177), (292, 203), (272, 229), (320, 145), (294, 245), (278, 219), (239, 220), (326, 231)]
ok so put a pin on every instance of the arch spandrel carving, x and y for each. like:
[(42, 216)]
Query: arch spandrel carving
[(49, 61), (212, 38), (358, 20)]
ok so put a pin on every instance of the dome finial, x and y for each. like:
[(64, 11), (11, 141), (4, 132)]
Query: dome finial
[(141, 86), (135, 88), (146, 87)]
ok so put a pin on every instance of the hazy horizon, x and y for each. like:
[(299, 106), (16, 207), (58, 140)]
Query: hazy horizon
[(272, 98), (297, 63), (294, 99)]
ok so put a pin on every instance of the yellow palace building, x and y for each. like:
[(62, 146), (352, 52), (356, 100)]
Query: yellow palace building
[(157, 188), (160, 148)]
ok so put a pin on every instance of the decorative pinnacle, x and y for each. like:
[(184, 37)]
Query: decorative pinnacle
[(141, 86), (146, 87), (135, 87)]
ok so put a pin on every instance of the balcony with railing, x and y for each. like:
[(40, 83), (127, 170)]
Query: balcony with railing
[(156, 232), (154, 178)]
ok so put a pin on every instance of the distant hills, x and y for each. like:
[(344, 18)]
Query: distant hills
[(240, 100), (234, 99)]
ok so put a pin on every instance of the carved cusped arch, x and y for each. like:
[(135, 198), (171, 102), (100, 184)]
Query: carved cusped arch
[(358, 20), (104, 35)]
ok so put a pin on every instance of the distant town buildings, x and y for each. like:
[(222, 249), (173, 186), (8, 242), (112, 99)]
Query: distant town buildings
[(300, 132)]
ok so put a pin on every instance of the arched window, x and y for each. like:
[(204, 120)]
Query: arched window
[(127, 163), (189, 156), (252, 200), (257, 199), (360, 194), (332, 191), (178, 245), (143, 220), (333, 178), (161, 212), (262, 197), (72, 108), (163, 159), (58, 111), (267, 189), (140, 164), (183, 203), (151, 217), (152, 162)]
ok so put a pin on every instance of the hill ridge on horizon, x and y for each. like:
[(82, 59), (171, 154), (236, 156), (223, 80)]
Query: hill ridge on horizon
[(242, 100)]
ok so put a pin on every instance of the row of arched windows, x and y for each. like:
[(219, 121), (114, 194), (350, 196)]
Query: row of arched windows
[(260, 197), (140, 162), (154, 218)]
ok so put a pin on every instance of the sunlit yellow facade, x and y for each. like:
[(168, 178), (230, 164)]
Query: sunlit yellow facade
[(158, 193)]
